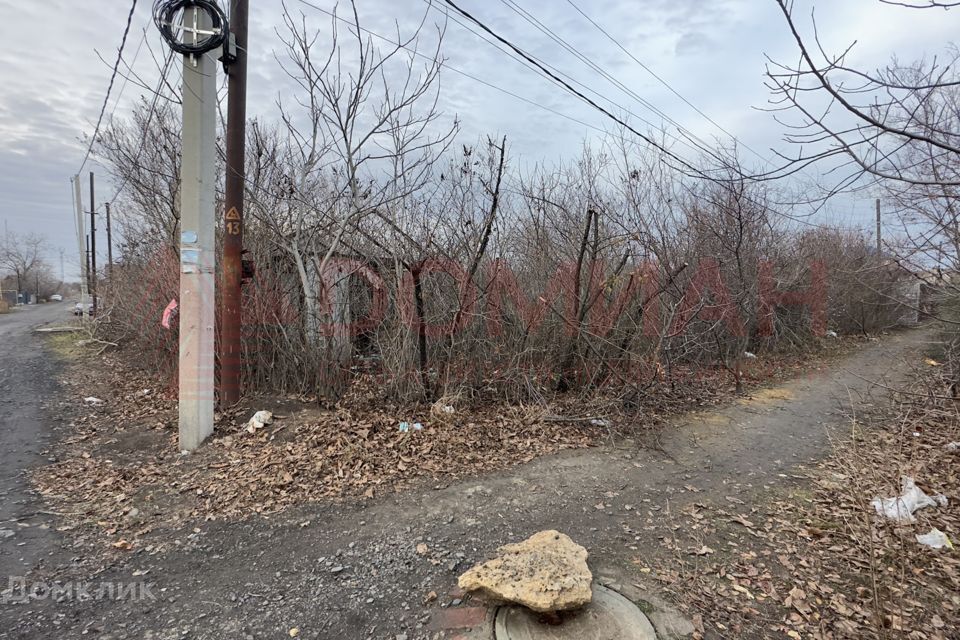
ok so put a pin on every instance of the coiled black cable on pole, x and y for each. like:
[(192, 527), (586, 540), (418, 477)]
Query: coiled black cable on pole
[(194, 43)]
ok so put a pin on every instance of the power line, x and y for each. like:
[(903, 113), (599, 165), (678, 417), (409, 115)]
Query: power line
[(129, 66), (695, 172), (536, 65), (525, 60), (153, 106), (454, 69), (113, 77), (700, 144), (665, 83), (568, 87), (542, 69), (699, 147)]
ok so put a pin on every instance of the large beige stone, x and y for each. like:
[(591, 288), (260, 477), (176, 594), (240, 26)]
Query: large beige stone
[(547, 572)]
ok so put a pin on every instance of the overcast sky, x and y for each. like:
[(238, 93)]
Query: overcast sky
[(711, 52)]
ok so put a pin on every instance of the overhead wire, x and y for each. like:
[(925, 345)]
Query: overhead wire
[(129, 67), (525, 62), (579, 94), (165, 17), (688, 140), (685, 164), (524, 56), (113, 77), (136, 78), (454, 69), (153, 106), (666, 84), (700, 144), (538, 67)]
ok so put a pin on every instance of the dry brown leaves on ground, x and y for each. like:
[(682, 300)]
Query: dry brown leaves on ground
[(821, 563), (119, 466)]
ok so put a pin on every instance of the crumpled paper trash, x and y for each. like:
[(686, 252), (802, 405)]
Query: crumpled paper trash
[(911, 499), (259, 420)]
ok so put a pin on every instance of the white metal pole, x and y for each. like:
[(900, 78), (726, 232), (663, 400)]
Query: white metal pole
[(197, 259), (81, 243)]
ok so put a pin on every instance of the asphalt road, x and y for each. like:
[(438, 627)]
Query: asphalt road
[(26, 381)]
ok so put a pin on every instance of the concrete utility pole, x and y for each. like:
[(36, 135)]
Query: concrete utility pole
[(230, 335), (109, 243), (81, 233), (93, 248), (879, 238), (197, 222)]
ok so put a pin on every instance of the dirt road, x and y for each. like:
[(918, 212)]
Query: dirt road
[(354, 572)]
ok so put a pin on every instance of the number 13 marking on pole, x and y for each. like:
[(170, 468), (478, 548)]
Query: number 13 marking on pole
[(233, 222)]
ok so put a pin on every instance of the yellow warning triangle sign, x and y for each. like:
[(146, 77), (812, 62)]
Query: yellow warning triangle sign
[(233, 214)]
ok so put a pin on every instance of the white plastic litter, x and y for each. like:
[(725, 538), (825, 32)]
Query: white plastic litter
[(259, 420), (911, 499), (601, 423), (92, 400), (749, 356), (832, 334), (936, 539), (953, 446)]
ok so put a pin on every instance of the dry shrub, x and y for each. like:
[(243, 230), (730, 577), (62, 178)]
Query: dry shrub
[(557, 268)]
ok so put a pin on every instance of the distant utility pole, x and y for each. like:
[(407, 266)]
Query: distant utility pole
[(86, 268), (6, 242), (879, 238), (61, 268), (231, 318), (109, 243), (93, 248), (78, 203), (196, 30)]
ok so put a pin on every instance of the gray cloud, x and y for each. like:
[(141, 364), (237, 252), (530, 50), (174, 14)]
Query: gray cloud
[(694, 42)]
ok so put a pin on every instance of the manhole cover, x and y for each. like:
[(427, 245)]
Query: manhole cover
[(609, 617)]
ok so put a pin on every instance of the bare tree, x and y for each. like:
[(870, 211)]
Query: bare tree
[(22, 256), (861, 119), (487, 280), (897, 128), (357, 139), (143, 154)]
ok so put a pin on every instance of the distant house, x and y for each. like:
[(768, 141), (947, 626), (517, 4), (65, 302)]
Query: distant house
[(925, 293)]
